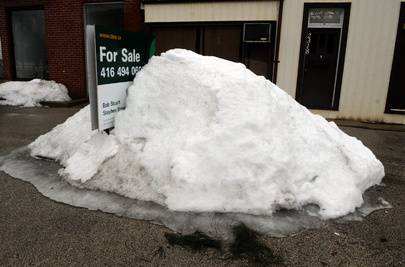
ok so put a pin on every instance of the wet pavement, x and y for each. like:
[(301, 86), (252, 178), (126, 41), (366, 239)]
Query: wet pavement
[(38, 231)]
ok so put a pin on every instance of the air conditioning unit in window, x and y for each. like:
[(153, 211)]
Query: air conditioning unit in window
[(256, 32)]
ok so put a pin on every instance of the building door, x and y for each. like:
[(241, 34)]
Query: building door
[(320, 63), (396, 91), (29, 44), (322, 55)]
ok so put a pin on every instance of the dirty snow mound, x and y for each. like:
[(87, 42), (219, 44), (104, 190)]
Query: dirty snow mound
[(30, 94), (204, 134)]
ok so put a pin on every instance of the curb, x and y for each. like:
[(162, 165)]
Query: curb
[(66, 104), (370, 125)]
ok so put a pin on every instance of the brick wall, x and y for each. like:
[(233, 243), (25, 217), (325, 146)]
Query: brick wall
[(65, 45), (5, 45), (64, 28), (134, 16)]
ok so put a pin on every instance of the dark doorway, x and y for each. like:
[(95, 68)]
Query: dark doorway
[(396, 91), (320, 65), (29, 44), (323, 45)]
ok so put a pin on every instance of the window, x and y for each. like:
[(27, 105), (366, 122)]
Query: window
[(325, 17), (396, 90), (256, 32), (29, 43), (105, 14)]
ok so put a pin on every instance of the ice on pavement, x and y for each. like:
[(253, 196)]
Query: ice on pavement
[(30, 94), (43, 174), (202, 134)]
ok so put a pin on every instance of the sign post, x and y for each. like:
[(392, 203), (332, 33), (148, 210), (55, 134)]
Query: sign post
[(118, 56)]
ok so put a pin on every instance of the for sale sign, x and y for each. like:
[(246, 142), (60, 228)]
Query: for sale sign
[(119, 56)]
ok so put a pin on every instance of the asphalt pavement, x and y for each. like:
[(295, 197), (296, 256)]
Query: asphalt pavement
[(37, 231)]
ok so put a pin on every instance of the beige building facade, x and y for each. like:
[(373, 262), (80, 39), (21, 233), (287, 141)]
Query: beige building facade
[(341, 59)]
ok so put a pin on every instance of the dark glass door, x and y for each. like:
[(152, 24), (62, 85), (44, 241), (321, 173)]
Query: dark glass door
[(30, 54), (320, 64), (322, 55)]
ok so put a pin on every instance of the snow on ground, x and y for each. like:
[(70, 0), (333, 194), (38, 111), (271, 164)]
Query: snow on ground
[(202, 134), (30, 94)]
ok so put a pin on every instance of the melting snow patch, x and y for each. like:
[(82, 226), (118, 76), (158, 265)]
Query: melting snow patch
[(30, 94)]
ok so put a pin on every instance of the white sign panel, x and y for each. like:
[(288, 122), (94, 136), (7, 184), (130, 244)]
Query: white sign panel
[(114, 56)]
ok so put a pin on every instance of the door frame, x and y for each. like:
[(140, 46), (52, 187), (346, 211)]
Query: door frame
[(341, 52)]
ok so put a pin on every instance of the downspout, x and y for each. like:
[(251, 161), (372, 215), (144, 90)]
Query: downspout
[(278, 36)]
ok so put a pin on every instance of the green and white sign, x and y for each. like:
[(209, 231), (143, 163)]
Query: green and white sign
[(119, 56)]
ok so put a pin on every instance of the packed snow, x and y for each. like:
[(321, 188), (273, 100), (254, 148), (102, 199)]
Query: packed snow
[(202, 134), (32, 93)]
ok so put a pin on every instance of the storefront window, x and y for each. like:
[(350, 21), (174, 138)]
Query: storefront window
[(30, 55)]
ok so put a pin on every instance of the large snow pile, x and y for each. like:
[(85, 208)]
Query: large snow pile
[(30, 94), (205, 134)]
